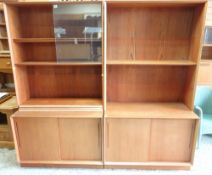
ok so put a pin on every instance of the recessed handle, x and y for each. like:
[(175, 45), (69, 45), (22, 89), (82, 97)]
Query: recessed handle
[(107, 130), (99, 133)]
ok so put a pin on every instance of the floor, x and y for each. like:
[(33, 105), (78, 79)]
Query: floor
[(202, 165)]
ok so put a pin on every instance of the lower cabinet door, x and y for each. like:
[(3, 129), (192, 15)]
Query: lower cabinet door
[(172, 140), (80, 139), (127, 140), (37, 138)]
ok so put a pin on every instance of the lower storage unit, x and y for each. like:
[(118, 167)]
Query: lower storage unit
[(75, 139), (59, 138), (149, 143)]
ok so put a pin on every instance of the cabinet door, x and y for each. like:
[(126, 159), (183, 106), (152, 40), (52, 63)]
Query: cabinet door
[(37, 138), (127, 140), (80, 139), (171, 140)]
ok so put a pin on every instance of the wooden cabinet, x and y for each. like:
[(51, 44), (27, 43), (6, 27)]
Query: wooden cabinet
[(37, 138), (60, 138), (118, 88), (80, 139)]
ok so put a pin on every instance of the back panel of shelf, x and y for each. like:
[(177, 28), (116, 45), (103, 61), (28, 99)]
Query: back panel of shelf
[(147, 83), (152, 32), (59, 82)]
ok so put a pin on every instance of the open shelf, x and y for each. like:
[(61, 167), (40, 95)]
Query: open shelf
[(49, 40), (154, 32), (64, 102), (52, 63), (152, 62), (4, 56), (135, 83), (146, 110), (3, 38), (34, 40), (207, 45)]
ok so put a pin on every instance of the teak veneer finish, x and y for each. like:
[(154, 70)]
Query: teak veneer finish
[(131, 110)]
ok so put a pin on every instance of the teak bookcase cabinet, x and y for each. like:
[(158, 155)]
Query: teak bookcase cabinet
[(125, 99)]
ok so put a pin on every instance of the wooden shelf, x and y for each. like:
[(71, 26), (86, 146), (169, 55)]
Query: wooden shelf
[(153, 62), (53, 40), (147, 110), (63, 114), (51, 63), (63, 102), (2, 24), (207, 45), (3, 38), (4, 56), (34, 40)]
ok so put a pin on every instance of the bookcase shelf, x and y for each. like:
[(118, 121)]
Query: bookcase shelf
[(152, 62), (144, 110), (50, 40), (63, 102), (2, 24), (34, 40), (59, 63)]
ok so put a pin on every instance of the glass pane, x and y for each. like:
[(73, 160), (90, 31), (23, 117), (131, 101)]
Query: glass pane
[(78, 32)]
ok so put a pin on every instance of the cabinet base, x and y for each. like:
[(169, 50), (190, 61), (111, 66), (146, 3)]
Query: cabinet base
[(63, 164), (149, 165)]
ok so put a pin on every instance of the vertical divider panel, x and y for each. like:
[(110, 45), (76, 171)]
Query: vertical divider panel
[(104, 9)]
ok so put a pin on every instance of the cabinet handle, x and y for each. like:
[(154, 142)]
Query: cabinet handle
[(192, 135), (8, 63), (17, 134), (107, 138), (99, 133)]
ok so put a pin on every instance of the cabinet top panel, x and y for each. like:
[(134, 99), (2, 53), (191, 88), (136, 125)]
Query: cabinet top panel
[(111, 1)]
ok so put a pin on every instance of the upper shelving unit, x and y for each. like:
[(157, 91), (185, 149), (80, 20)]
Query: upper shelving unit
[(57, 49), (155, 59)]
